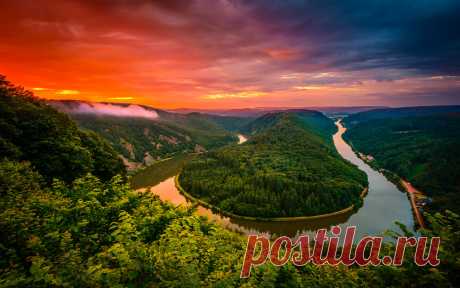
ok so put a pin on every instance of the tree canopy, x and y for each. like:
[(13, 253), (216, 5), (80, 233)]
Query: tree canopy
[(421, 147), (289, 167), (31, 130)]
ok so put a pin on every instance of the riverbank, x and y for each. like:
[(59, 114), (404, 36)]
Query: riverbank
[(412, 193), (272, 219), (415, 196)]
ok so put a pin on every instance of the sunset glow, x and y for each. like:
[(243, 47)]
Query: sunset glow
[(214, 54)]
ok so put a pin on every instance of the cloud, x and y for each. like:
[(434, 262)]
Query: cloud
[(242, 94), (121, 98), (175, 53), (67, 92), (109, 109), (308, 87)]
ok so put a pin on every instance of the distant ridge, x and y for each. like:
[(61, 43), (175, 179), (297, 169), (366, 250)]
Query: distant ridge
[(259, 111), (400, 112)]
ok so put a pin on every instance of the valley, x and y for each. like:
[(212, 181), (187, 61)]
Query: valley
[(382, 205), (69, 216), (179, 150), (288, 168)]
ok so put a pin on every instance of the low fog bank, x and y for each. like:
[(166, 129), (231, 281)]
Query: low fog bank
[(131, 110)]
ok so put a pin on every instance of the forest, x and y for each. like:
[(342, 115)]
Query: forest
[(86, 227), (31, 130), (419, 144), (289, 167)]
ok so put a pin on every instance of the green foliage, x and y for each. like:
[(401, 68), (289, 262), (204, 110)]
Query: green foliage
[(421, 149), (105, 160), (95, 234), (288, 168), (33, 131), (83, 235)]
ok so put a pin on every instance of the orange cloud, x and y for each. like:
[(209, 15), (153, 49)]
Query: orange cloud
[(121, 98), (67, 92), (308, 87), (242, 94)]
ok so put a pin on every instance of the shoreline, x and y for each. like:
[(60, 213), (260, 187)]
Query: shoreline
[(400, 183), (270, 219), (412, 193)]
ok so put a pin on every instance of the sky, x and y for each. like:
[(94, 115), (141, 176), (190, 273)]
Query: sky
[(235, 54)]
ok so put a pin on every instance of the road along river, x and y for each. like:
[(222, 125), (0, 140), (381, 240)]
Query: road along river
[(383, 205)]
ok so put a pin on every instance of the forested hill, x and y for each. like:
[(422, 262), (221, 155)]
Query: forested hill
[(399, 113), (31, 130), (420, 145), (313, 121), (287, 168), (142, 134)]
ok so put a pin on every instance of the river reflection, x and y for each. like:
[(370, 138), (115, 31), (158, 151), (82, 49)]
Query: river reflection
[(241, 139), (383, 205)]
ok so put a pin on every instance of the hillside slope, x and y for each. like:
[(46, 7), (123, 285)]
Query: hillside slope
[(392, 113), (420, 145), (31, 130), (287, 168), (141, 140)]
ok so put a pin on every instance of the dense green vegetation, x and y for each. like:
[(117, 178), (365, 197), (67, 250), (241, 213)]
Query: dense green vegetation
[(144, 140), (32, 130), (289, 167), (100, 233), (422, 148), (94, 234), (230, 123)]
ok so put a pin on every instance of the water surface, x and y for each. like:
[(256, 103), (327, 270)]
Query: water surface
[(241, 139)]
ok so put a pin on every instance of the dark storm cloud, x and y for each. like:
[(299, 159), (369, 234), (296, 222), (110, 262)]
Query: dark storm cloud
[(421, 35)]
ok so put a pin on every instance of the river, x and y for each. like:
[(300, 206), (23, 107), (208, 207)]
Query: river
[(241, 139), (383, 205)]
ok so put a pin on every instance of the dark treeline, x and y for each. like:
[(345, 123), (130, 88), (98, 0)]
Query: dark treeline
[(32, 130), (289, 167), (422, 148)]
